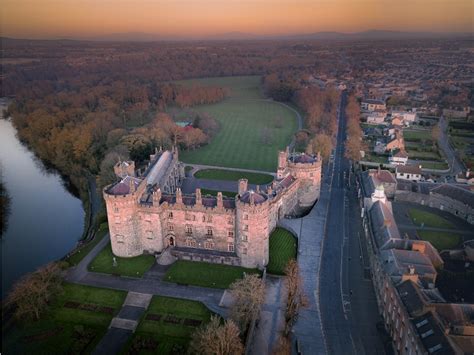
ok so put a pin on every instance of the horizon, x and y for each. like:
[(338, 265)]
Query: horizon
[(201, 19)]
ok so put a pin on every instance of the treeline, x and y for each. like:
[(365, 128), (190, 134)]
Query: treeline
[(319, 106), (354, 143)]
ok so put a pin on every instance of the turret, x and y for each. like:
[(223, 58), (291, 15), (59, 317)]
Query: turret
[(243, 186), (124, 168)]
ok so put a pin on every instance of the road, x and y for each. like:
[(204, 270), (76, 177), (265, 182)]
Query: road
[(454, 164), (347, 302)]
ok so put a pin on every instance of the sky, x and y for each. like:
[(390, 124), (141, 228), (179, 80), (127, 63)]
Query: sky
[(88, 18)]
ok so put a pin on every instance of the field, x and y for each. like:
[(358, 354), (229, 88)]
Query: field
[(218, 174), (67, 328), (283, 246), (416, 135), (428, 219), (205, 274), (440, 240), (167, 325), (132, 267), (249, 137)]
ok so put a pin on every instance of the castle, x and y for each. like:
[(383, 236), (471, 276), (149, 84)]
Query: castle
[(149, 212)]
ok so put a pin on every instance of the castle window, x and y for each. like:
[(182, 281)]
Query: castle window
[(246, 216), (244, 238), (230, 247), (189, 229), (244, 251), (208, 245), (209, 231), (116, 209), (246, 227), (209, 218), (170, 215), (190, 243), (230, 220), (204, 218), (119, 238), (149, 235), (230, 234), (170, 227)]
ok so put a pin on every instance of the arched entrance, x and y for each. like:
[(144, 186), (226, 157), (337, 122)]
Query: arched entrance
[(171, 241)]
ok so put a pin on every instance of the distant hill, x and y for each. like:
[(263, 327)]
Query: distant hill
[(324, 36)]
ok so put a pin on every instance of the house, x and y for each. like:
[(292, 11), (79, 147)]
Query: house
[(397, 121), (408, 172), (406, 116), (399, 158), (396, 143), (373, 105), (465, 178), (376, 118)]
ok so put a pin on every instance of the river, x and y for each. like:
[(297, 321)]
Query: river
[(45, 220)]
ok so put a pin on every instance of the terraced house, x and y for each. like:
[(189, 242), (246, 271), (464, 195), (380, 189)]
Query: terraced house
[(149, 213)]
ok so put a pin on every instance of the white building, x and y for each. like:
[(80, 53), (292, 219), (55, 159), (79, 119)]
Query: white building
[(373, 105), (407, 116), (399, 158), (408, 172), (376, 118)]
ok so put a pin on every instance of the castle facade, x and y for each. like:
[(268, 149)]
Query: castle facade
[(148, 212)]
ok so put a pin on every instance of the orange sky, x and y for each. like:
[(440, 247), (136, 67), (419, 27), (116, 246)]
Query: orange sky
[(71, 18)]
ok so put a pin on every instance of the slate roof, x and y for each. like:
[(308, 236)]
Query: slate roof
[(409, 169), (384, 227), (432, 335), (456, 193), (258, 197), (123, 186)]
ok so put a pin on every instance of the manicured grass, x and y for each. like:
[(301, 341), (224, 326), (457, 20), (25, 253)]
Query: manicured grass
[(205, 274), (133, 267), (434, 165), (243, 118), (283, 247), (411, 134), (429, 219), (65, 330), (214, 193), (218, 174), (440, 240), (171, 338), (82, 251)]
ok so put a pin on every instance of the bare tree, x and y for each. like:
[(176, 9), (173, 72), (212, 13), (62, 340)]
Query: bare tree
[(31, 295), (296, 297), (249, 294), (217, 339)]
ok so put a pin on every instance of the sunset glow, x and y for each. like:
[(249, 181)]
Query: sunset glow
[(76, 18)]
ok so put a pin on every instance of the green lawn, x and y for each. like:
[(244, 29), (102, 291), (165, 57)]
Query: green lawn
[(214, 193), (218, 174), (168, 338), (133, 267), (65, 330), (435, 165), (429, 219), (440, 240), (81, 252), (244, 118), (205, 274), (411, 134), (283, 247)]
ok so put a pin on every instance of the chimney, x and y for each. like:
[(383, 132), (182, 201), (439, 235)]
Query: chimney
[(198, 197), (156, 197), (179, 195), (252, 198), (219, 200), (243, 186)]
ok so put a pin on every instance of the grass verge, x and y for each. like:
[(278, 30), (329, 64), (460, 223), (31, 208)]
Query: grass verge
[(428, 219), (85, 249), (283, 247), (205, 274), (230, 175), (440, 240), (132, 267)]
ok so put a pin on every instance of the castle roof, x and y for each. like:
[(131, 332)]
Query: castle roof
[(123, 186), (302, 159), (257, 197)]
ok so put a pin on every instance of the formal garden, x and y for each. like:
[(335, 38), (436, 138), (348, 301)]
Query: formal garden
[(74, 322), (167, 326)]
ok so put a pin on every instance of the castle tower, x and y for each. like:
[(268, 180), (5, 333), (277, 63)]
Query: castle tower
[(243, 186), (124, 168), (282, 163), (252, 227)]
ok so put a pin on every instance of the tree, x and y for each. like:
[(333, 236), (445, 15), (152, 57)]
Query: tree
[(249, 294), (32, 294), (217, 339), (296, 298), (320, 143)]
